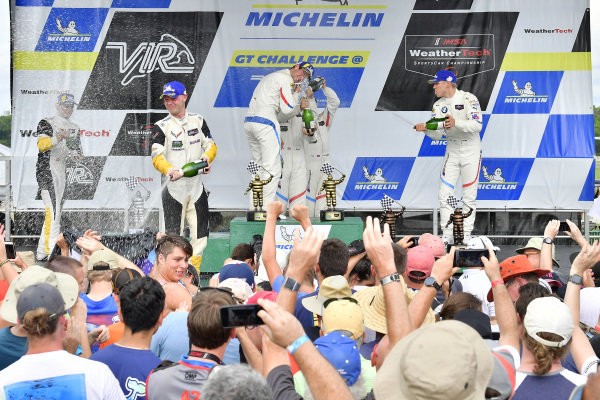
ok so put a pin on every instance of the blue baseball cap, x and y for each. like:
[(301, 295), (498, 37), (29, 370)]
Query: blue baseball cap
[(342, 353), (66, 99), (308, 68), (240, 270), (173, 89), (443, 75)]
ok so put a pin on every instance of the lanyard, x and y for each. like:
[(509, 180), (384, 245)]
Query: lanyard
[(206, 356)]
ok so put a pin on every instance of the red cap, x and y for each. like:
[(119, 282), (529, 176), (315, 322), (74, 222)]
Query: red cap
[(419, 258), (435, 243), (516, 266), (263, 294)]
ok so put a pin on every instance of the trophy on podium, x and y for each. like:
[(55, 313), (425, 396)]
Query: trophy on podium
[(389, 216), (137, 212), (457, 219), (329, 184), (256, 185)]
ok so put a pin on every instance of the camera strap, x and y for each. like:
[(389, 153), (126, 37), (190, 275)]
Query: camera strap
[(206, 356)]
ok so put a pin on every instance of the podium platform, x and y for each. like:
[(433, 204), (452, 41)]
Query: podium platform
[(241, 231)]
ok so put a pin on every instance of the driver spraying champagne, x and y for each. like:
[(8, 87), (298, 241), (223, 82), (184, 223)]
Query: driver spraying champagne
[(182, 147), (58, 141)]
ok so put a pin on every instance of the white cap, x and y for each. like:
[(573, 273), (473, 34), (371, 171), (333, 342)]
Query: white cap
[(480, 243), (549, 314)]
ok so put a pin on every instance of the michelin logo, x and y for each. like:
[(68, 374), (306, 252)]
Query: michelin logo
[(496, 181), (375, 181), (526, 94), (67, 33), (69, 30), (287, 236)]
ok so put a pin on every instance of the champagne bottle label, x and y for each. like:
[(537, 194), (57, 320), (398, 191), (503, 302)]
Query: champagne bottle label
[(435, 123), (192, 168)]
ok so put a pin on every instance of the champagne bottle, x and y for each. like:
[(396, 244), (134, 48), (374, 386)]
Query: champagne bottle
[(316, 84), (308, 119), (192, 168), (435, 123)]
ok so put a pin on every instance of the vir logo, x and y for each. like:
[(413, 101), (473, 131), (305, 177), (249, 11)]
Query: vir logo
[(79, 174), (170, 55), (497, 177), (376, 177)]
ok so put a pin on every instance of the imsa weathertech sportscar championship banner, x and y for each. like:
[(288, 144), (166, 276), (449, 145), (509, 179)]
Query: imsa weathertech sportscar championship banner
[(528, 63)]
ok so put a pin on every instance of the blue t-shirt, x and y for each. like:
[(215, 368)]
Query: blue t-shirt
[(12, 348), (171, 341), (101, 312), (131, 367), (553, 385), (306, 318)]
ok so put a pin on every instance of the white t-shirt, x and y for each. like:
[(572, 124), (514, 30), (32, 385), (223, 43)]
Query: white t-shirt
[(476, 282), (58, 375)]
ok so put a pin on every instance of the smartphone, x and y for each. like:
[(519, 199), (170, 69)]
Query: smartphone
[(564, 227), (413, 242), (464, 258), (10, 250), (240, 315)]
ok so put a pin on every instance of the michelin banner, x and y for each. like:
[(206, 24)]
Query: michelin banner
[(530, 70)]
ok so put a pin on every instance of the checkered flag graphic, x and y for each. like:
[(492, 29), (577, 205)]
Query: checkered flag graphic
[(253, 167), (326, 168), (131, 182), (452, 201), (386, 202)]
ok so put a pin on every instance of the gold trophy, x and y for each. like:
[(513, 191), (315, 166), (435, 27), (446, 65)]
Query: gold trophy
[(457, 219), (389, 216), (331, 214), (256, 185)]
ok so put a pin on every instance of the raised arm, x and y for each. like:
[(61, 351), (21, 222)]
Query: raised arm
[(505, 311), (380, 252), (274, 208), (581, 349), (286, 331), (550, 231)]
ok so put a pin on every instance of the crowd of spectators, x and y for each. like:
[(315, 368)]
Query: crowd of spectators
[(373, 319)]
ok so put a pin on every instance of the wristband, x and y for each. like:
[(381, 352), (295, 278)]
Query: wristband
[(297, 343), (291, 284), (4, 262), (497, 282), (395, 277)]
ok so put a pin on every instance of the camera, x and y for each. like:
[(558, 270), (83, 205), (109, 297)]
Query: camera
[(240, 315)]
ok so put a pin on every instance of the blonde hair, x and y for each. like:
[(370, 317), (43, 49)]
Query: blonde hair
[(100, 275), (37, 322), (543, 355)]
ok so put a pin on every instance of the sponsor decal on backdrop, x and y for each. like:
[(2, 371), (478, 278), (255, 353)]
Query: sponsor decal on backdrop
[(83, 133), (437, 148), (135, 56), (71, 29), (284, 235), (503, 178), (372, 177), (548, 30), (332, 18), (474, 44), (525, 92), (425, 54), (135, 135), (82, 177), (341, 69)]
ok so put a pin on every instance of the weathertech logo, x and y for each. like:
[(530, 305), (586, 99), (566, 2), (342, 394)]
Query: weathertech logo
[(82, 133), (170, 55), (552, 30)]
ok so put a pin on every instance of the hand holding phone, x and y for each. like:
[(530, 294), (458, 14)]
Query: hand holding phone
[(465, 258), (240, 315), (564, 227), (11, 254)]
